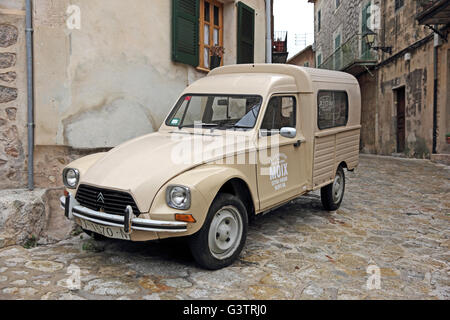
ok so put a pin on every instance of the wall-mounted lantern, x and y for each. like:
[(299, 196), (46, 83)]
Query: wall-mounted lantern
[(369, 37)]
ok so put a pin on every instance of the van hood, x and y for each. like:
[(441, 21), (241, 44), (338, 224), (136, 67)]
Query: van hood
[(143, 165)]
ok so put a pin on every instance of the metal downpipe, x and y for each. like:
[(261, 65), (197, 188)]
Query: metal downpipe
[(268, 31), (30, 93)]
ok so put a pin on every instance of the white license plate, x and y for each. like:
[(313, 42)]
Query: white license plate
[(107, 231)]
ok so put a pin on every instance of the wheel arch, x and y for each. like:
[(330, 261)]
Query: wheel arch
[(238, 187)]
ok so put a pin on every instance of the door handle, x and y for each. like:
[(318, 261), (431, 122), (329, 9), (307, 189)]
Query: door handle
[(297, 143)]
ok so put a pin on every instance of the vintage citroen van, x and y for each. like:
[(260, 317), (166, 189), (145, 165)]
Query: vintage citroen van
[(239, 142)]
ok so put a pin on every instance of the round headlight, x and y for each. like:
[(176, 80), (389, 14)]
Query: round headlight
[(178, 197), (71, 177)]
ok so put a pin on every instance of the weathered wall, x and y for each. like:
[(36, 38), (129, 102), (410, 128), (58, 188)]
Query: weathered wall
[(417, 76), (12, 94), (113, 79), (368, 84), (398, 29), (97, 86)]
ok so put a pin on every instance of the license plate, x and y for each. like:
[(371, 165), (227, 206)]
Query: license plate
[(107, 231)]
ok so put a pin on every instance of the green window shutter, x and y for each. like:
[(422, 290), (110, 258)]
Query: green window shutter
[(245, 34), (185, 14)]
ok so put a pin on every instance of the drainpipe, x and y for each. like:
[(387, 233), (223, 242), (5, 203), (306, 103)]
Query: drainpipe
[(30, 91), (268, 31), (435, 83)]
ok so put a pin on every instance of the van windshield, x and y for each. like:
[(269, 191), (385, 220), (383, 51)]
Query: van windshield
[(216, 111)]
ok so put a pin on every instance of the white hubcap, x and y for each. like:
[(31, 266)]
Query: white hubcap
[(338, 187), (225, 232)]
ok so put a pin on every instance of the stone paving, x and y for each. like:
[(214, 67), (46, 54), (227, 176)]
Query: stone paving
[(395, 217)]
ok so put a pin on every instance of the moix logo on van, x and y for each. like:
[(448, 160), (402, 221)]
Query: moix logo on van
[(278, 171)]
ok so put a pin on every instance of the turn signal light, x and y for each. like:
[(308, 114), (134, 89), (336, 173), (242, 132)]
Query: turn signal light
[(184, 217), (66, 193)]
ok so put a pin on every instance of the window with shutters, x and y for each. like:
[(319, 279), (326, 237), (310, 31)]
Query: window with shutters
[(245, 34), (211, 30)]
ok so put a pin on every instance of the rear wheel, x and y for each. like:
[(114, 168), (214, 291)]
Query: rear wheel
[(221, 239), (332, 194)]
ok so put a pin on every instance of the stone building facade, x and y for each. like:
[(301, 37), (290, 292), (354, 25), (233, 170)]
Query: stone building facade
[(397, 79), (12, 96), (104, 72)]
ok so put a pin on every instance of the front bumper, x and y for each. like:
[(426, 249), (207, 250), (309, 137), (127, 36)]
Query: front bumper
[(73, 209)]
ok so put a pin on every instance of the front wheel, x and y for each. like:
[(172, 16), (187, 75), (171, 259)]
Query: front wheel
[(332, 194), (221, 239)]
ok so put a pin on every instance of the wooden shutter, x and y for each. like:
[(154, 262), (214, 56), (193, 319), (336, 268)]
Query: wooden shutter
[(245, 34), (185, 14)]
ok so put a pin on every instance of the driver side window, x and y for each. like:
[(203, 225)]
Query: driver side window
[(280, 112)]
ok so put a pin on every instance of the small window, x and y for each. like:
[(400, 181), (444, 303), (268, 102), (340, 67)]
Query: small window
[(338, 3), (318, 20), (281, 112), (398, 4), (319, 60), (306, 64), (332, 109)]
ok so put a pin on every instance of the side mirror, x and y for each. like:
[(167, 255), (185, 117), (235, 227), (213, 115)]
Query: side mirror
[(288, 132)]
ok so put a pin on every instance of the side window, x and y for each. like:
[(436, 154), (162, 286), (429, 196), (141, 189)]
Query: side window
[(332, 109), (281, 112)]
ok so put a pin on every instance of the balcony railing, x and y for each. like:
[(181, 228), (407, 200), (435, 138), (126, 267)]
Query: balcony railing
[(353, 53)]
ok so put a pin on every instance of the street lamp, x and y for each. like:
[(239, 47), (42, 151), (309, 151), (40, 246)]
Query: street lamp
[(369, 37)]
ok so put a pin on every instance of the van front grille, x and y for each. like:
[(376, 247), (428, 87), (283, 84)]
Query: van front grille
[(105, 200)]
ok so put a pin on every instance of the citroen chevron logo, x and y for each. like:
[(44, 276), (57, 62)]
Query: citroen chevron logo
[(100, 198)]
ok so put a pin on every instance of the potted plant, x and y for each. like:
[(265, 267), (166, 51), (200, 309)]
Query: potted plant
[(447, 136), (216, 56)]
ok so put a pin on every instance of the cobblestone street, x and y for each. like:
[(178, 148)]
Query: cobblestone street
[(395, 216)]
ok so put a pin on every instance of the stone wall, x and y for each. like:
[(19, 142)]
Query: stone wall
[(345, 19), (399, 29), (416, 75), (12, 96), (368, 83)]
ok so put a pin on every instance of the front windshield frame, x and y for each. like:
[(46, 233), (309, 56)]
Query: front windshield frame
[(180, 101)]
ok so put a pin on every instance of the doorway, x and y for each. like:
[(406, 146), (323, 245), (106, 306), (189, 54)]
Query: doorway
[(400, 103)]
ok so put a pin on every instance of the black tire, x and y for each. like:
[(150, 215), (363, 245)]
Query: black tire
[(330, 200), (95, 236), (225, 206)]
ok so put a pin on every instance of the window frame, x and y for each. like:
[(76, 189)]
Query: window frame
[(346, 113), (319, 18), (337, 3), (201, 23), (277, 131)]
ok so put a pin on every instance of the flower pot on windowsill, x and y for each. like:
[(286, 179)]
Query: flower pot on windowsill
[(214, 62), (448, 138)]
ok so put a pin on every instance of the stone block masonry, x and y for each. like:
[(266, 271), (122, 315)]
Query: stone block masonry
[(12, 101)]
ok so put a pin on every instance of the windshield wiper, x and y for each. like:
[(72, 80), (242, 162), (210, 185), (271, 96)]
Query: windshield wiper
[(230, 125), (198, 124)]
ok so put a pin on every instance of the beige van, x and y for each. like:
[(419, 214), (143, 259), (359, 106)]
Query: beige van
[(238, 143)]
